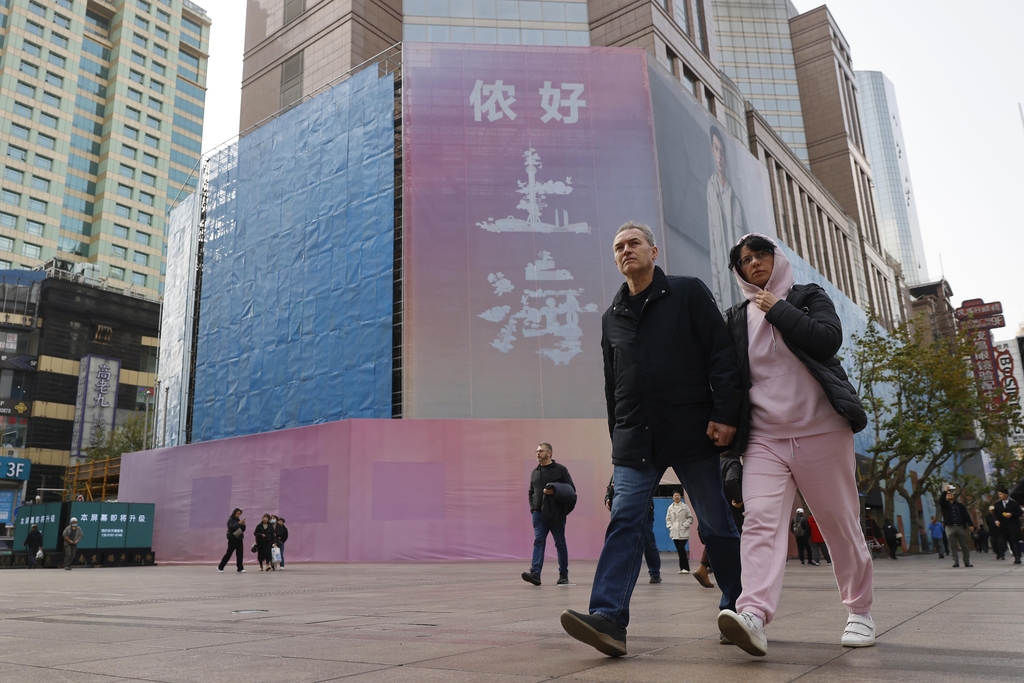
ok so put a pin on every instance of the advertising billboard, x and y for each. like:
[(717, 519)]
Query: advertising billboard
[(114, 525), (46, 517), (519, 165), (96, 404)]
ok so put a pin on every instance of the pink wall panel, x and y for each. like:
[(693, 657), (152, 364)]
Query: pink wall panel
[(374, 490)]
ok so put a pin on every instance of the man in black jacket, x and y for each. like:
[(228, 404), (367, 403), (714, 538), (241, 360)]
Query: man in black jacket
[(673, 394), (958, 525), (1007, 515), (33, 542), (549, 510)]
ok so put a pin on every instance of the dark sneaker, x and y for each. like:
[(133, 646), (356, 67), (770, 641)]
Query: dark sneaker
[(530, 577), (656, 578), (955, 565), (968, 564), (562, 579), (595, 631)]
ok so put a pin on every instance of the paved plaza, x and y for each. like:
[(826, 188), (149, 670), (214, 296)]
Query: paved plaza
[(478, 621)]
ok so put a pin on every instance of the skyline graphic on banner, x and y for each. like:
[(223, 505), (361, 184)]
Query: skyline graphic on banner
[(534, 194)]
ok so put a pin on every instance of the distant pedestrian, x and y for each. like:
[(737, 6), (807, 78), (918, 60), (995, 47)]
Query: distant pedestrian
[(995, 534), (282, 536), (651, 554), (72, 535), (678, 519), (818, 542), (263, 534), (236, 531), (1007, 515), (980, 538), (892, 539), (33, 542), (552, 496), (801, 530), (958, 525), (935, 529)]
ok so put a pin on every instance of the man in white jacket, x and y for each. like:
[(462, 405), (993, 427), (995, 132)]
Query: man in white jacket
[(678, 520)]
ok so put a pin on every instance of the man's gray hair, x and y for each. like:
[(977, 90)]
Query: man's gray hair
[(546, 446), (645, 229)]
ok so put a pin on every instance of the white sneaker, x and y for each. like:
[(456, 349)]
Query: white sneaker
[(745, 631), (860, 631), (684, 571)]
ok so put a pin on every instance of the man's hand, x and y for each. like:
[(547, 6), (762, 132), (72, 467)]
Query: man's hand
[(549, 490), (765, 300), (735, 504), (1007, 515), (608, 504), (721, 434), (998, 523)]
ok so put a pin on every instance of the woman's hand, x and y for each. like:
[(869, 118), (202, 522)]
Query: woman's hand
[(765, 300)]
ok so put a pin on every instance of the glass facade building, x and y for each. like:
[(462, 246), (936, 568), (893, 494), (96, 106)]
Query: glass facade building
[(501, 22), (756, 52), (101, 120), (896, 210)]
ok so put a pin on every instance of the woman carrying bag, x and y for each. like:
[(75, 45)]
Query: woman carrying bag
[(797, 420), (265, 539)]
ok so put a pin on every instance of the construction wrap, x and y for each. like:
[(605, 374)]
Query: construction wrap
[(177, 319), (297, 280), (374, 490)]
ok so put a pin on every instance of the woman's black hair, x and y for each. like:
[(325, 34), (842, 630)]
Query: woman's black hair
[(754, 243), (235, 511)]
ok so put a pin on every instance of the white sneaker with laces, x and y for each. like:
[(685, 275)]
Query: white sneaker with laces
[(684, 571), (744, 630), (860, 631)]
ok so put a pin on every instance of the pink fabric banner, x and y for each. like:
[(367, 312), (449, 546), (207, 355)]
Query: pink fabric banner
[(373, 490)]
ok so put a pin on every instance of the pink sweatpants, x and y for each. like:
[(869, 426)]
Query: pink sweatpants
[(823, 468)]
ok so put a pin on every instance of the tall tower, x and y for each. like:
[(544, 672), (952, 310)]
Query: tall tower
[(101, 125), (887, 153)]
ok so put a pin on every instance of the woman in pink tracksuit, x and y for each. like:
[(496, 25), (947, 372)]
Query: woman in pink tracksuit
[(796, 431)]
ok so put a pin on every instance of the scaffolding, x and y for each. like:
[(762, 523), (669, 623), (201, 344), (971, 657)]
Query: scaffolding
[(94, 481)]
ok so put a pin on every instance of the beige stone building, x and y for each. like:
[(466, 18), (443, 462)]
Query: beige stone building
[(295, 47)]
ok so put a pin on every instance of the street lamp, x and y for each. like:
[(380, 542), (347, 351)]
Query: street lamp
[(145, 426)]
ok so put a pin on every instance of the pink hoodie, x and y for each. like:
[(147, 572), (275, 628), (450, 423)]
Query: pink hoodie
[(786, 402)]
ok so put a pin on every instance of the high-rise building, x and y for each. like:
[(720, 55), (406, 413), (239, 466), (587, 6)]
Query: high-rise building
[(296, 47), (101, 126), (887, 153), (756, 52), (501, 22)]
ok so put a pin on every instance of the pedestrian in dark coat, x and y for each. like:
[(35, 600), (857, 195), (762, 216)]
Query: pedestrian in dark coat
[(552, 496), (1007, 515), (236, 532), (891, 538), (995, 534), (33, 542), (282, 537), (264, 537)]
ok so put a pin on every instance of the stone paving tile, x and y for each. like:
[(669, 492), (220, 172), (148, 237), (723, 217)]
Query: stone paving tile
[(50, 675), (477, 621)]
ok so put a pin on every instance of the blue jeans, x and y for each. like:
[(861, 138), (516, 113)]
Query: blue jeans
[(619, 565), (541, 527), (651, 549)]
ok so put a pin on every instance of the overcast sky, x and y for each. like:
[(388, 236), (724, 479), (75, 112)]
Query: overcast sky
[(956, 67)]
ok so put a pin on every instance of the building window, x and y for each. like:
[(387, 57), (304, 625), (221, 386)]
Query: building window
[(156, 104), (31, 250), (33, 49), (153, 122), (51, 100), (163, 16), (689, 81), (46, 141), (54, 80), (34, 28), (8, 221), (145, 218), (149, 160), (700, 27), (19, 132), (118, 252), (14, 175), (292, 9), (141, 259), (135, 76), (37, 9), (45, 163), (61, 20), (6, 244), (116, 273), (139, 279), (291, 80), (59, 40), (159, 51), (133, 114), (681, 15), (36, 205), (142, 23), (140, 41), (138, 59), (29, 69), (34, 227), (162, 33), (47, 120), (122, 211), (127, 171), (152, 141), (121, 232), (26, 90), (156, 85), (124, 190), (17, 153), (9, 197), (41, 184), (134, 95), (709, 100), (22, 110), (148, 179), (147, 198), (159, 68), (57, 60), (132, 133)]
